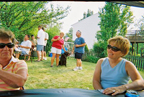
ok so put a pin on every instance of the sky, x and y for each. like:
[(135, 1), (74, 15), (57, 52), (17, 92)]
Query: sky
[(78, 8)]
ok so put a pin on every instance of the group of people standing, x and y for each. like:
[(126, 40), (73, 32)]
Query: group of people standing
[(78, 49), (38, 45)]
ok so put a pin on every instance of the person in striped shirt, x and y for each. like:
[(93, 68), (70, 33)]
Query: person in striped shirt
[(13, 72)]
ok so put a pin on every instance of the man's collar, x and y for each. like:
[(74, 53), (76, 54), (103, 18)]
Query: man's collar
[(12, 60)]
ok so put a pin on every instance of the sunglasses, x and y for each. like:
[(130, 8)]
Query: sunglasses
[(9, 45), (115, 49)]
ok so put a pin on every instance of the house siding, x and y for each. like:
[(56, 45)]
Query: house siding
[(89, 28)]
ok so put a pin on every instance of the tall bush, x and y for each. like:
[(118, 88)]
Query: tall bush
[(86, 48), (99, 49)]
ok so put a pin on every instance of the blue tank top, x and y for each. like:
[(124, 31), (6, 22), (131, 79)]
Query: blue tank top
[(113, 77)]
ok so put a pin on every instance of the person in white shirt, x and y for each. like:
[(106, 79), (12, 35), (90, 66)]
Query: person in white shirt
[(25, 47), (46, 38), (40, 43)]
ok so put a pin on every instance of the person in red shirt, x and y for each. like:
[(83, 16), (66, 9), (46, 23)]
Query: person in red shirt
[(57, 45)]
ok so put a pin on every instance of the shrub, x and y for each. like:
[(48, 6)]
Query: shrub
[(99, 49), (86, 48), (90, 58)]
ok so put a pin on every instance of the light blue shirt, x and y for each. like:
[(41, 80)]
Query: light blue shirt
[(113, 77)]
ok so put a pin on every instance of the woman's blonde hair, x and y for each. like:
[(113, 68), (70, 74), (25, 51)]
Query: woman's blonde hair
[(122, 43), (62, 33)]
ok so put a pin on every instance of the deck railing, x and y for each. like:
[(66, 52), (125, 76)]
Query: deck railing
[(137, 60)]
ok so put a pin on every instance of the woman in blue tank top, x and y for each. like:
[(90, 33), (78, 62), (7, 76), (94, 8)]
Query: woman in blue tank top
[(113, 72)]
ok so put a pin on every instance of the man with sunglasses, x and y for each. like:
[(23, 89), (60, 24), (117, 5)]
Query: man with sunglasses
[(13, 72), (112, 73), (25, 47)]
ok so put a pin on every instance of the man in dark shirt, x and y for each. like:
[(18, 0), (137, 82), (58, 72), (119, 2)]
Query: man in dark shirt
[(78, 49)]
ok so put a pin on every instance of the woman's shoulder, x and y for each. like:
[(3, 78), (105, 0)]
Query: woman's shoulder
[(127, 62), (101, 60), (129, 65)]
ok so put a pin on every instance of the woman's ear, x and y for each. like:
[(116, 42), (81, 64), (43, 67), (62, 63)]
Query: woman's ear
[(122, 54)]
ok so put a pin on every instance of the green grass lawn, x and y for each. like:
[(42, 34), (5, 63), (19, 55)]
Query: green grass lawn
[(42, 76)]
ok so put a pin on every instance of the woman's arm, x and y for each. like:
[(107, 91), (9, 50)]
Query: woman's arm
[(55, 39), (63, 48), (137, 80), (72, 50), (97, 74)]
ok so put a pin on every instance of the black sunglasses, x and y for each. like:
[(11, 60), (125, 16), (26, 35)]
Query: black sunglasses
[(9, 45), (115, 49)]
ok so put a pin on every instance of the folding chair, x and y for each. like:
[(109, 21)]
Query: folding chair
[(27, 55)]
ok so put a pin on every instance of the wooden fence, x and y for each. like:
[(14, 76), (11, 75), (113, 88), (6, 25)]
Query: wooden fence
[(137, 60)]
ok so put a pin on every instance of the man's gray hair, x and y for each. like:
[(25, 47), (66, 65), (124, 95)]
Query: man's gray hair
[(79, 31)]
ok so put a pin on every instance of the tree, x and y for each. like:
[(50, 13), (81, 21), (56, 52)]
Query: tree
[(85, 15), (51, 32), (99, 50), (140, 23), (126, 18), (113, 17), (69, 34), (24, 17), (142, 26)]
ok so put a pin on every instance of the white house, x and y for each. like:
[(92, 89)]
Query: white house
[(88, 27)]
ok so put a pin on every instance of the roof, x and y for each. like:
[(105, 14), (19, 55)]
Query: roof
[(85, 19), (135, 36), (130, 3)]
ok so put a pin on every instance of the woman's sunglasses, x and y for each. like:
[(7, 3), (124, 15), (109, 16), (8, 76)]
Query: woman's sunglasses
[(115, 49), (9, 45)]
